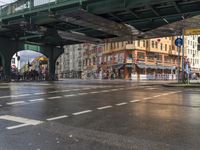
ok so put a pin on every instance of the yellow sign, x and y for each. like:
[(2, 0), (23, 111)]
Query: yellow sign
[(192, 31)]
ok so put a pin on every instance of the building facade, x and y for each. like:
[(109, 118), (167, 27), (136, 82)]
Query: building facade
[(192, 53), (92, 60), (15, 62), (142, 59), (69, 64)]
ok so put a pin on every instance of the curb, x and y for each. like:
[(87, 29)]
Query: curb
[(182, 85)]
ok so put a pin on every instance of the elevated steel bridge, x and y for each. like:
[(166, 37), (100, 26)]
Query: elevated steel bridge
[(54, 23)]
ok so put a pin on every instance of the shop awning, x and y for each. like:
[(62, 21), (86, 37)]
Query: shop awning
[(129, 65), (118, 66), (142, 66)]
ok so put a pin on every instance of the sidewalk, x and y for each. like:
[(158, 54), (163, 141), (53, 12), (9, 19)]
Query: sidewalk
[(120, 80), (192, 84)]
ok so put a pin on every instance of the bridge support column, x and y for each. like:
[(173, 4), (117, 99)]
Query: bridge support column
[(53, 55), (7, 50), (52, 68), (6, 68)]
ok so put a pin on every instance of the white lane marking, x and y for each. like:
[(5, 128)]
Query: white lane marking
[(82, 93), (135, 101), (75, 89), (70, 95), (17, 126), (114, 90), (82, 112), (35, 100), (56, 118), (147, 98), (120, 104), (22, 95), (151, 88), (165, 94), (38, 93), (175, 92), (13, 103), (104, 91), (13, 96), (0, 105), (56, 97), (21, 120), (157, 95), (94, 92), (65, 90), (105, 107), (5, 97)]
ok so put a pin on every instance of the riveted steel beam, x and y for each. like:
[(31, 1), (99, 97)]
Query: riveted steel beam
[(85, 19), (74, 36)]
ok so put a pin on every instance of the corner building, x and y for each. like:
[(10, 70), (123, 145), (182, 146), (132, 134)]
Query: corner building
[(142, 59)]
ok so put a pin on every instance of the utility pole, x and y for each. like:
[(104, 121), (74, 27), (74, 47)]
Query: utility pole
[(183, 59), (178, 71), (178, 43)]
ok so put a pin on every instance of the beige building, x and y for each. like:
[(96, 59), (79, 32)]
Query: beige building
[(142, 59)]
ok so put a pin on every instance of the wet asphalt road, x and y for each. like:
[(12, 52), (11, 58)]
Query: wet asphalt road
[(98, 115)]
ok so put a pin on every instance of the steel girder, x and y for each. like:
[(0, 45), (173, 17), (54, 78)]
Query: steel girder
[(85, 19), (74, 36)]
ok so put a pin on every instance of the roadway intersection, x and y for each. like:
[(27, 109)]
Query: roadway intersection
[(77, 114)]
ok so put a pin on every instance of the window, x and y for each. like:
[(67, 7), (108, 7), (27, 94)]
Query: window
[(150, 56), (144, 44), (141, 55), (13, 61), (165, 47), (161, 46), (159, 58), (139, 43), (156, 44), (167, 59), (170, 47), (94, 60), (152, 44)]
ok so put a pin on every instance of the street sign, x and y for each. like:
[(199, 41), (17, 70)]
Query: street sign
[(192, 31), (179, 42)]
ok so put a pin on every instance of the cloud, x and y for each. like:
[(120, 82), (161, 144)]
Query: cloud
[(27, 55)]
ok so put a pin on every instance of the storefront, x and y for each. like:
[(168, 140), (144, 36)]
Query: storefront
[(154, 72)]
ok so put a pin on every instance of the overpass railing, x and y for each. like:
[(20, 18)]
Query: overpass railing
[(23, 6)]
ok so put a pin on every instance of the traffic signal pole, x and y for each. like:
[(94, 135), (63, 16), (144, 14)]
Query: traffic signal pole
[(183, 51), (178, 71)]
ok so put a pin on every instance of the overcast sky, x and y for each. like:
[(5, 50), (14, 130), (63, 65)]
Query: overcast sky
[(3, 2), (27, 55)]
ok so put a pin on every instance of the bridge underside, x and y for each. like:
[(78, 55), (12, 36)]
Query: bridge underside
[(92, 21), (66, 22)]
